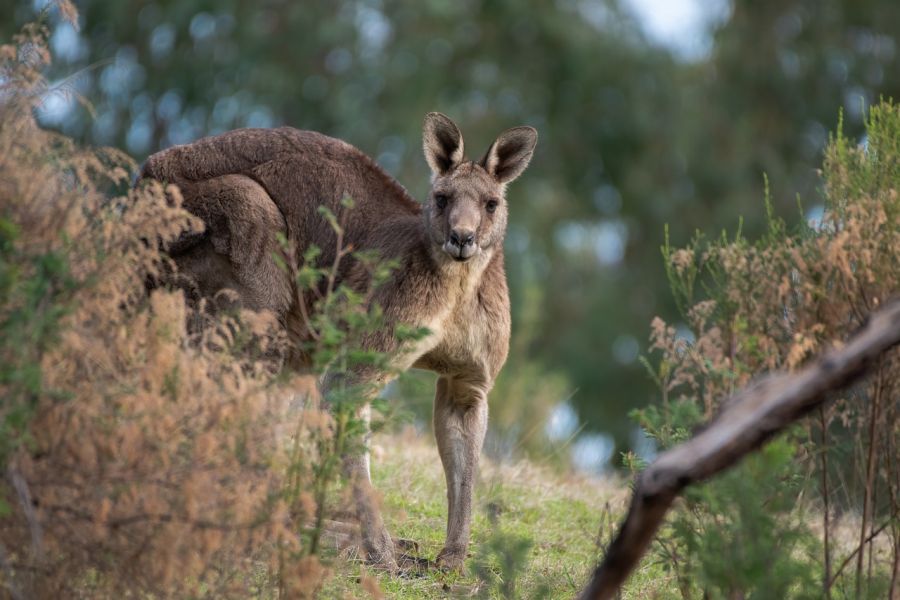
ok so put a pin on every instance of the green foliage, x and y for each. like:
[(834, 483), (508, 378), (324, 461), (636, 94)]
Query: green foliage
[(342, 317), (743, 534), (740, 533), (35, 288), (501, 561)]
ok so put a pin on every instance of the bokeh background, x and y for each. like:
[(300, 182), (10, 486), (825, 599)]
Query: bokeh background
[(651, 113)]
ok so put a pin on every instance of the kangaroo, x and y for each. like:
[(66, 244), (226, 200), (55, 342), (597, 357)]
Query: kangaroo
[(249, 185)]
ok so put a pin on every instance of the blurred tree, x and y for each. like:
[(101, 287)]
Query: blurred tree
[(631, 137)]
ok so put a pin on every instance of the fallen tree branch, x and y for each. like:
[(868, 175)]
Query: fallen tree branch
[(748, 419)]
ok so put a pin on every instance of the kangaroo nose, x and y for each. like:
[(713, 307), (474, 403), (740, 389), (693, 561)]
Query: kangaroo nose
[(462, 238)]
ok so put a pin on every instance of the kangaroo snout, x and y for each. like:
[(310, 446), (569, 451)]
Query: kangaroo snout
[(461, 245), (462, 237)]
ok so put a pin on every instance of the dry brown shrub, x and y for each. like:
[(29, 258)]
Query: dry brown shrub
[(777, 302), (157, 451)]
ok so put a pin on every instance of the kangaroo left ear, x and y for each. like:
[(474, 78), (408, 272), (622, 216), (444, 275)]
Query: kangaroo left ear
[(442, 142), (510, 153)]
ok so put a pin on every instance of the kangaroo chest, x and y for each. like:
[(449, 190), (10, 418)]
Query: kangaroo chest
[(466, 336)]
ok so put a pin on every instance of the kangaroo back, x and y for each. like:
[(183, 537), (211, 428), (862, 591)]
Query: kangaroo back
[(294, 166), (291, 173)]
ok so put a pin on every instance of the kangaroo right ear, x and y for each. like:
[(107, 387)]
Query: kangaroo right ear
[(510, 153), (443, 143)]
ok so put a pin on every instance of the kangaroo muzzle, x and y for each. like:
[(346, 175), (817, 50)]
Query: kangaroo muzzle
[(461, 244)]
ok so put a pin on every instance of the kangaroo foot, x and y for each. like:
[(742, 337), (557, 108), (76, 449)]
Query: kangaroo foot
[(412, 565), (410, 546), (451, 559), (379, 550)]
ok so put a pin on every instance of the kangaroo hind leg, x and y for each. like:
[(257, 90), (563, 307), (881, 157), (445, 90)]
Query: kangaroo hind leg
[(237, 250), (460, 424), (376, 542)]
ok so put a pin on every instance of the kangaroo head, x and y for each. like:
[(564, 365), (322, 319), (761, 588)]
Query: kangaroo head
[(466, 212)]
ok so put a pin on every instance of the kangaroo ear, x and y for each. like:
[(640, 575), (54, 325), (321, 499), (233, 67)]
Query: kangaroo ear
[(443, 143), (510, 153)]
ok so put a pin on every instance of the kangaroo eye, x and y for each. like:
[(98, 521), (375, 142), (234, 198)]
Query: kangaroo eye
[(440, 200), (491, 205)]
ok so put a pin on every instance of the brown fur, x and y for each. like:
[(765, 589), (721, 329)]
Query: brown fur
[(247, 185)]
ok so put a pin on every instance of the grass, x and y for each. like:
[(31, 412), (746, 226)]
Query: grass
[(563, 519)]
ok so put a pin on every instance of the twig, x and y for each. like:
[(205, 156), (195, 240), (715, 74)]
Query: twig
[(749, 419), (895, 505), (21, 486), (136, 518), (870, 478), (826, 579), (856, 551)]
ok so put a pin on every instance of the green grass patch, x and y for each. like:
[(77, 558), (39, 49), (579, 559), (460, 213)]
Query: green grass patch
[(540, 529)]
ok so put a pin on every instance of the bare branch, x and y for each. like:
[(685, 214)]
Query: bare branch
[(24, 495), (747, 420)]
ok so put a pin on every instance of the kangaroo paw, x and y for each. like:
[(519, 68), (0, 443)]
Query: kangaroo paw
[(451, 559), (379, 549), (410, 546)]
